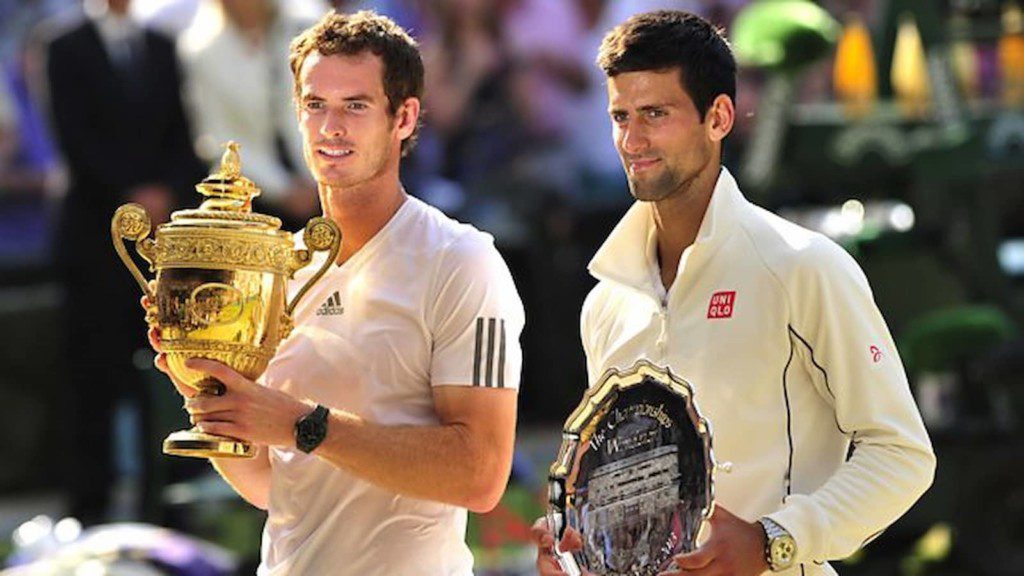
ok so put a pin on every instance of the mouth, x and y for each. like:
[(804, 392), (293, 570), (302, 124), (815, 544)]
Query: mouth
[(333, 152), (638, 165)]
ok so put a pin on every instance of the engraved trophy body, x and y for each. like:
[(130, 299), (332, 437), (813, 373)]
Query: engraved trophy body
[(634, 474), (220, 289)]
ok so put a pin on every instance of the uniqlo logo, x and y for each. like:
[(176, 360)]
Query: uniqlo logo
[(722, 304)]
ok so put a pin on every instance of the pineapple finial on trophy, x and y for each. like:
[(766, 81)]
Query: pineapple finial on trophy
[(230, 162), (227, 189)]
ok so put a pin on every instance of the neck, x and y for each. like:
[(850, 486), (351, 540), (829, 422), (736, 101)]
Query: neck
[(678, 218), (361, 211)]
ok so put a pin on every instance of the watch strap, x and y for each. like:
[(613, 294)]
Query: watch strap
[(311, 429)]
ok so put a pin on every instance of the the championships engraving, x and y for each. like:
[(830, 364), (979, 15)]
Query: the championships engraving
[(634, 474)]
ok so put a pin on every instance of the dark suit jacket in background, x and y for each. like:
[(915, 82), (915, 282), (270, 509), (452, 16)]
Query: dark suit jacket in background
[(116, 130)]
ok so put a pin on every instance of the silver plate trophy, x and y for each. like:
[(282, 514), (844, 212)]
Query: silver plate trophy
[(634, 474)]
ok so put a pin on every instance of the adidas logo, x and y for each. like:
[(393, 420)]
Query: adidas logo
[(331, 307)]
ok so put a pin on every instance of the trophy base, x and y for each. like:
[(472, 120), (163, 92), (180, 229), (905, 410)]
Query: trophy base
[(196, 444)]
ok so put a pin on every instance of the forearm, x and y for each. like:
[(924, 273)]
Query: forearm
[(250, 478), (446, 463), (868, 492), (463, 460)]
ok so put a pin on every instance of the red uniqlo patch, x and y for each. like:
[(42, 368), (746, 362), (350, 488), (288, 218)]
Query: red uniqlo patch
[(722, 304)]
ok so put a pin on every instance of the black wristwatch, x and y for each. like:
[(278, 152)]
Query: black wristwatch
[(311, 429)]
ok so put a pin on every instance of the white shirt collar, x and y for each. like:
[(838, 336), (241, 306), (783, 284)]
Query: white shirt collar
[(629, 255), (115, 30)]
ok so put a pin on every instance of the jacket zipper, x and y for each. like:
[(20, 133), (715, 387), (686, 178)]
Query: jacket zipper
[(662, 341)]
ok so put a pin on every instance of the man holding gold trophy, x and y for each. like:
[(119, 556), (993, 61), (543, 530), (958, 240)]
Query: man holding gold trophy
[(771, 327), (388, 407)]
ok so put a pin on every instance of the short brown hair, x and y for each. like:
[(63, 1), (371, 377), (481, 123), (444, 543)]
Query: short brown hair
[(351, 34), (668, 39)]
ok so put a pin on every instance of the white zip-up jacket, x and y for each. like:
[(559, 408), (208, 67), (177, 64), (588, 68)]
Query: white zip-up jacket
[(791, 362)]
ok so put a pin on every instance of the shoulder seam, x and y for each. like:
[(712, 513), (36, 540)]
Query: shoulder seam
[(434, 273), (444, 252)]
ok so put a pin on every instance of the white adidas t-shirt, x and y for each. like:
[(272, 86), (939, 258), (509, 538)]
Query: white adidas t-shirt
[(426, 302)]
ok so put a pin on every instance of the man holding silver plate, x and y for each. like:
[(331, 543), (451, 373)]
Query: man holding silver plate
[(705, 300)]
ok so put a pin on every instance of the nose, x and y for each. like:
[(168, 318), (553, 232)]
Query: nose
[(333, 125), (632, 139)]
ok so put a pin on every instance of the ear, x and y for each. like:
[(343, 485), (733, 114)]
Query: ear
[(407, 116), (720, 118)]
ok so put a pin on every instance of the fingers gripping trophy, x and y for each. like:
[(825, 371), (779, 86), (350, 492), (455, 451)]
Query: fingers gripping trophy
[(220, 289)]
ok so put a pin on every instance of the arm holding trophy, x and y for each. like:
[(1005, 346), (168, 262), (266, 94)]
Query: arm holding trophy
[(463, 461), (465, 458)]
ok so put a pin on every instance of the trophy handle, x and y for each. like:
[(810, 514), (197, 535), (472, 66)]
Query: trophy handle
[(320, 234), (131, 222)]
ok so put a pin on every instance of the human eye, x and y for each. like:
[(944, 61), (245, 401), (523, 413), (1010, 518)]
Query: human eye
[(618, 117), (314, 105), (356, 106), (655, 113)]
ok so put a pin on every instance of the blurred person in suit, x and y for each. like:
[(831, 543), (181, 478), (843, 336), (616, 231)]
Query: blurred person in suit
[(238, 87), (114, 94)]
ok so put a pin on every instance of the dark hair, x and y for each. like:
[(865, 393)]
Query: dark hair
[(351, 34), (673, 39)]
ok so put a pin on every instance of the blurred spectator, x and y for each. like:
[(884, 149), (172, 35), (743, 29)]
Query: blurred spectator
[(407, 13), (239, 88), (26, 152), (25, 157), (118, 117), (468, 100), (19, 16), (171, 17), (544, 38), (8, 128), (174, 17)]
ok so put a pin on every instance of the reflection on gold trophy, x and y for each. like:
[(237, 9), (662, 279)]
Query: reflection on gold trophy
[(220, 286)]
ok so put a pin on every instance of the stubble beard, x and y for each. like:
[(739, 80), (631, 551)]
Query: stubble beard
[(664, 185)]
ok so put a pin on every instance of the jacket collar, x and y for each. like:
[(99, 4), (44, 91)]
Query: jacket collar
[(629, 254)]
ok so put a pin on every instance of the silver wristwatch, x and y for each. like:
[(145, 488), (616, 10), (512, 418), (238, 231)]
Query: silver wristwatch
[(779, 548)]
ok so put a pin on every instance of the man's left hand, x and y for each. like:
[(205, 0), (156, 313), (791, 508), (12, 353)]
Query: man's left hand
[(246, 411), (735, 548)]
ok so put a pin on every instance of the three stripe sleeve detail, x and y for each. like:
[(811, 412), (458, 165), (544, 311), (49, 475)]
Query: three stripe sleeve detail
[(489, 353)]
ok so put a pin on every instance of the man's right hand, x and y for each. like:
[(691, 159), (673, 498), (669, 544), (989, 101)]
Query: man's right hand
[(547, 564)]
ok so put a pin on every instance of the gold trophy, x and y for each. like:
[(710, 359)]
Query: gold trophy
[(220, 288)]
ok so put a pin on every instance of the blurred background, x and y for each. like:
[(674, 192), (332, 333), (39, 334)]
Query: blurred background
[(895, 127)]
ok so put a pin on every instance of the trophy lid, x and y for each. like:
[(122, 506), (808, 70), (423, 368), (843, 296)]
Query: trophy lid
[(229, 198)]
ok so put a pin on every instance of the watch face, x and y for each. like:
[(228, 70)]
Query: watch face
[(307, 432), (311, 430), (782, 549)]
